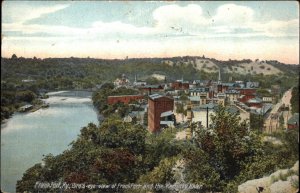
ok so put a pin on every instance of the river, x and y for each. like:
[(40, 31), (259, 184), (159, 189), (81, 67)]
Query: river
[(26, 137)]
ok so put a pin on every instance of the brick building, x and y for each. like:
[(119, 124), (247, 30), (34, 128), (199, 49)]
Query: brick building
[(158, 104), (180, 85), (247, 91), (123, 99)]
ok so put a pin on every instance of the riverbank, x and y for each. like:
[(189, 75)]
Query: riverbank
[(28, 136)]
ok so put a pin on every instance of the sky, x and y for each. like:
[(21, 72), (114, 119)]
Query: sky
[(265, 30)]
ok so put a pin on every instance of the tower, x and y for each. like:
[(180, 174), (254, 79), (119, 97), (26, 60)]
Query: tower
[(219, 79)]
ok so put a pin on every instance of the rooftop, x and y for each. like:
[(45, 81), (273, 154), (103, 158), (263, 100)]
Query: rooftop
[(155, 96), (166, 114), (210, 106), (255, 100), (232, 92)]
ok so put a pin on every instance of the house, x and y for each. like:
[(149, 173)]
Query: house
[(124, 99), (232, 95), (157, 105), (202, 114), (293, 122), (119, 82)]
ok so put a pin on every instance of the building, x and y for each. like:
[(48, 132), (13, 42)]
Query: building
[(232, 95), (202, 114), (180, 85), (119, 82), (199, 91), (149, 89), (157, 105), (195, 100), (221, 98), (124, 99), (254, 102), (293, 122), (247, 91)]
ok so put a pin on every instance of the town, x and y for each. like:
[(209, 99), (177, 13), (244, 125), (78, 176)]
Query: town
[(167, 104)]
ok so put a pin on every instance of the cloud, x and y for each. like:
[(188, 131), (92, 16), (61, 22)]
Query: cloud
[(233, 15), (20, 13), (178, 17), (177, 29), (275, 28), (230, 20)]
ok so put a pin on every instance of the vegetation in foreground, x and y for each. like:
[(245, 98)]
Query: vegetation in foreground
[(219, 158)]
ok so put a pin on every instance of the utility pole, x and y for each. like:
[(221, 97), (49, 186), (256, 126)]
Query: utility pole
[(206, 117)]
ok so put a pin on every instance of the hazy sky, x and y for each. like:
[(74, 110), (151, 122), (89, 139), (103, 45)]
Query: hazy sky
[(223, 30)]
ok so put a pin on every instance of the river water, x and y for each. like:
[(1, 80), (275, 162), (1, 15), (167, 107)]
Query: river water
[(26, 137)]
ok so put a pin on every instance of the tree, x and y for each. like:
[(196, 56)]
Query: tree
[(295, 100), (226, 145), (14, 57), (256, 122), (161, 174)]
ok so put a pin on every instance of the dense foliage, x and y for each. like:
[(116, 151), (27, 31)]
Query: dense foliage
[(12, 98)]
